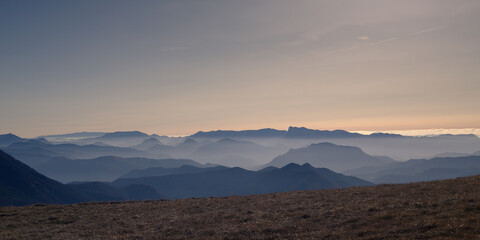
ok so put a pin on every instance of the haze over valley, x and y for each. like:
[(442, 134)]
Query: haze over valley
[(272, 119), (224, 163)]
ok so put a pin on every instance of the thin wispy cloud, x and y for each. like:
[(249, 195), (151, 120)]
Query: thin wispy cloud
[(428, 30), (363, 38)]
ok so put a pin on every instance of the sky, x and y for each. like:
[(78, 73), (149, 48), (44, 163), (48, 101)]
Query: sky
[(177, 67)]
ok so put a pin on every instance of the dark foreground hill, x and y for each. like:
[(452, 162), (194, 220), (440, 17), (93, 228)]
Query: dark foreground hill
[(447, 209), (21, 185)]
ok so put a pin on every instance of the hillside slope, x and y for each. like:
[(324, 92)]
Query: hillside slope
[(420, 170), (21, 185), (106, 168), (441, 210)]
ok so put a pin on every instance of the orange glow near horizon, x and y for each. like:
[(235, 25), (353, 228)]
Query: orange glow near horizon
[(178, 67)]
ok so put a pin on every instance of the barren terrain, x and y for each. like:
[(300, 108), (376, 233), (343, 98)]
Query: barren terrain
[(441, 209)]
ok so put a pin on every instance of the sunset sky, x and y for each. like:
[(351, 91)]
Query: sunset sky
[(177, 67)]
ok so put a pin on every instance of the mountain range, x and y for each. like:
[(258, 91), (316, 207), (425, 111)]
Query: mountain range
[(119, 139), (420, 170), (7, 139), (302, 132), (106, 168), (398, 147), (35, 153), (331, 156), (236, 153), (22, 185), (292, 132), (152, 166), (238, 181), (162, 171)]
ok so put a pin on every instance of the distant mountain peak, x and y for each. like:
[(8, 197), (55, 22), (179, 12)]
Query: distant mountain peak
[(292, 132), (148, 144), (298, 166), (290, 165), (9, 135), (327, 155), (329, 144), (302, 132), (9, 138), (125, 134), (307, 165), (260, 133)]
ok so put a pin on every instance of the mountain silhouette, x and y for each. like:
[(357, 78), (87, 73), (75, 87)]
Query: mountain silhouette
[(183, 149), (148, 143), (420, 170), (119, 139), (124, 134), (106, 168), (7, 139), (35, 153), (238, 181), (301, 132), (21, 185), (329, 155), (292, 132), (161, 171), (188, 145), (261, 133), (231, 152)]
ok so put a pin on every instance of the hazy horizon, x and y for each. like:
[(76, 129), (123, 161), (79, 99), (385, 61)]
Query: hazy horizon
[(177, 67), (404, 132)]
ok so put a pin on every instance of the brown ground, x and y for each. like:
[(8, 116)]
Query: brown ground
[(442, 209)]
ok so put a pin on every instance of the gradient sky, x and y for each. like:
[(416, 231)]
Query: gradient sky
[(176, 67)]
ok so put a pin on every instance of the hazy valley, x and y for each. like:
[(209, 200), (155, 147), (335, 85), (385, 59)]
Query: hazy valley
[(110, 166)]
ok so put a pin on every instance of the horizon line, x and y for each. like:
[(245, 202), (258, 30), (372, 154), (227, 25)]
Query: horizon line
[(404, 132)]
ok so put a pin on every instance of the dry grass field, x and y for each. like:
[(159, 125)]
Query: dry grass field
[(440, 210)]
